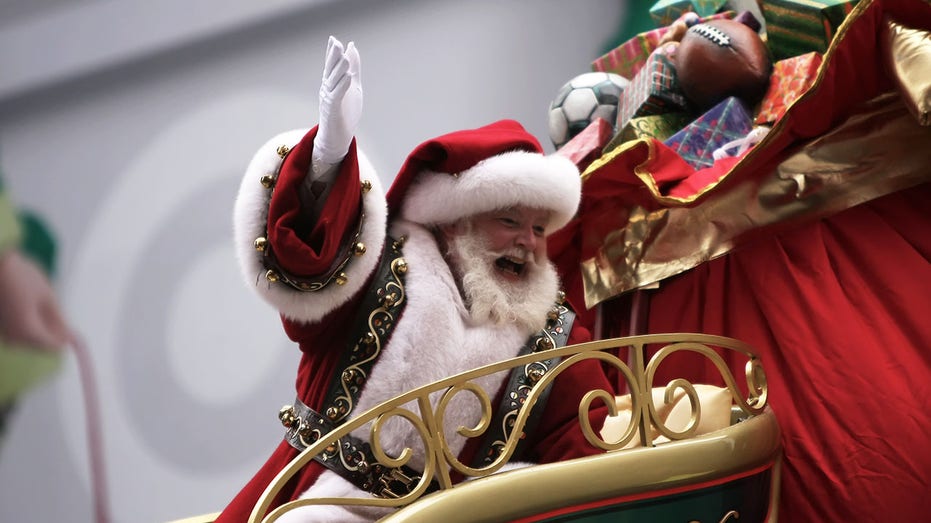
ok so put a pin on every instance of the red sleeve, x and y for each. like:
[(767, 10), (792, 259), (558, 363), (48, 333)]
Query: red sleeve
[(301, 247)]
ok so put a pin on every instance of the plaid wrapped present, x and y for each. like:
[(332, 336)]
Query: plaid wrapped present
[(791, 77), (659, 126), (665, 12), (723, 123), (795, 27), (628, 58), (654, 90)]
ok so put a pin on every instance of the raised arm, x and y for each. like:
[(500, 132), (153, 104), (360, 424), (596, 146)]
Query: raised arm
[(310, 217), (340, 102)]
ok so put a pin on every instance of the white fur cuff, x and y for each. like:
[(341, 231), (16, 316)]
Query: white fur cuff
[(250, 216)]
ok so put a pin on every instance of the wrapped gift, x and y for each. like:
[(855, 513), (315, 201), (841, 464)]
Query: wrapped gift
[(723, 123), (659, 126), (665, 12), (586, 146), (654, 90), (795, 27), (790, 78), (628, 58)]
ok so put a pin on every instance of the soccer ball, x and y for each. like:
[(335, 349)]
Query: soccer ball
[(581, 100)]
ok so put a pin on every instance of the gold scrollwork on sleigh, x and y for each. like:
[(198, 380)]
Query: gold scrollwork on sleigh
[(425, 410)]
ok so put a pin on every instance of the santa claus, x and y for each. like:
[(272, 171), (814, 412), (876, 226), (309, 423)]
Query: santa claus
[(454, 256)]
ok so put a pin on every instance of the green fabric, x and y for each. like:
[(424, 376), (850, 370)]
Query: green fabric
[(37, 242), (748, 497), (22, 368), (10, 233)]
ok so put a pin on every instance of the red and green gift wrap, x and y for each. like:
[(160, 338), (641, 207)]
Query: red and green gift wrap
[(654, 90), (795, 27), (723, 123), (586, 147), (790, 78), (628, 58), (659, 126), (666, 12)]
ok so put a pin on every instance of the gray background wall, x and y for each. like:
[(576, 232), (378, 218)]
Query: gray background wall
[(127, 125)]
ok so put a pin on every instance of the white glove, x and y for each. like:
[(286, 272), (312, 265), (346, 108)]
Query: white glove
[(340, 103)]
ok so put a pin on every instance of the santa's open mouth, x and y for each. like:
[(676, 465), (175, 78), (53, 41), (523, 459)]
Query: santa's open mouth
[(510, 266)]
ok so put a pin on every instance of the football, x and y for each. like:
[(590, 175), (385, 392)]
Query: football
[(722, 58), (580, 101)]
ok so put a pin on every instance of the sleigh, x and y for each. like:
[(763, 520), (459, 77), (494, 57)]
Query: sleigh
[(670, 450)]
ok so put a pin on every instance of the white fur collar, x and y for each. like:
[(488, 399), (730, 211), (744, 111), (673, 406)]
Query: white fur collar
[(434, 339)]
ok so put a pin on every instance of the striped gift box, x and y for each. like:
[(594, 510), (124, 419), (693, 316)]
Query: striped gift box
[(796, 27), (665, 12)]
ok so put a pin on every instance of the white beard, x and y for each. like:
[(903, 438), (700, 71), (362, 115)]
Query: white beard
[(489, 297)]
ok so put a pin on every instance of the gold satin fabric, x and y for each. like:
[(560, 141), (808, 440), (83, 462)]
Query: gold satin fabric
[(876, 151), (908, 53)]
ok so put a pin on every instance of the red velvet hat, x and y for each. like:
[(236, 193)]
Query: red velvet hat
[(479, 170)]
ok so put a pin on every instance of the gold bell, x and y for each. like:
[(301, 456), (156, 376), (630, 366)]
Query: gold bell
[(561, 297), (260, 243), (308, 434), (341, 278), (287, 416), (349, 375), (283, 150), (535, 374), (271, 276), (366, 186), (332, 413), (267, 180), (402, 265), (545, 343), (358, 249)]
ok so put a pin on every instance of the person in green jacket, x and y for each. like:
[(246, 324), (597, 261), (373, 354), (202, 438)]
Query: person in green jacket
[(33, 329)]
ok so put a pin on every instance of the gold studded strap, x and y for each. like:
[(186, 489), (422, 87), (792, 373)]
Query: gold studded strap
[(350, 457), (382, 306), (522, 379)]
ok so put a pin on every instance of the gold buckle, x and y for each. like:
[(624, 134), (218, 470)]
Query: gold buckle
[(396, 478)]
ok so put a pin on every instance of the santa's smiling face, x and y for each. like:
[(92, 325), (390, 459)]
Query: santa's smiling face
[(499, 260), (517, 233)]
